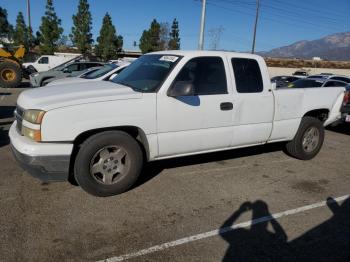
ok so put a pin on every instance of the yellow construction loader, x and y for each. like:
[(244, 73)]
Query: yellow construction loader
[(11, 67)]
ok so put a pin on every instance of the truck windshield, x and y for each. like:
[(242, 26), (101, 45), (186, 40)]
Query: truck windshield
[(100, 72), (147, 73)]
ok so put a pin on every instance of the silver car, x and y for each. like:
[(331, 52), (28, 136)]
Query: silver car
[(71, 69)]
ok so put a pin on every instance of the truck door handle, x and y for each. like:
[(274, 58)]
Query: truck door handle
[(226, 106)]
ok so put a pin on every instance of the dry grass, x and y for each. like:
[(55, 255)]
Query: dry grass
[(300, 63)]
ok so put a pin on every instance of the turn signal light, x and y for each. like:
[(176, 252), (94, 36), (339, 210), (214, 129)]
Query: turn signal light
[(34, 135)]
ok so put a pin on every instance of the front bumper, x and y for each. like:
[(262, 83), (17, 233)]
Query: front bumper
[(45, 168), (46, 161)]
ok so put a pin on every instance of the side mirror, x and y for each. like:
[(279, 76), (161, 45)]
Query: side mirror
[(274, 86), (66, 70), (181, 88), (112, 76)]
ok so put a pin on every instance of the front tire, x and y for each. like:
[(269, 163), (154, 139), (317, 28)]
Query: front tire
[(108, 163), (309, 139)]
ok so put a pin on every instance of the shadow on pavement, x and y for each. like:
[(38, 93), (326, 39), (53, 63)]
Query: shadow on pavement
[(153, 169), (4, 138), (6, 111), (329, 241), (24, 84), (341, 128)]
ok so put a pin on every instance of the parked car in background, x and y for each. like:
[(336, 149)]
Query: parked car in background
[(47, 62), (301, 73), (331, 76), (104, 73), (164, 105), (123, 60), (283, 81), (345, 109), (85, 72), (71, 69), (317, 82)]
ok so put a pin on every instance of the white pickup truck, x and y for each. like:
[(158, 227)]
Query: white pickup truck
[(164, 105)]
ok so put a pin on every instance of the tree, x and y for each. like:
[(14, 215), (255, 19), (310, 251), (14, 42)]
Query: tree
[(63, 41), (150, 39), (37, 38), (31, 37), (50, 30), (174, 42), (81, 31), (20, 35), (6, 28), (108, 43), (164, 35)]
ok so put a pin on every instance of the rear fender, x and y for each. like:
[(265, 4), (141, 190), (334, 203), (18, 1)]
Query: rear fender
[(335, 113)]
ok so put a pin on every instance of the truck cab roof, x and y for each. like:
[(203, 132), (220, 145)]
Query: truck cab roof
[(205, 53)]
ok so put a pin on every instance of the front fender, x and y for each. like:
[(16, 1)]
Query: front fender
[(67, 123)]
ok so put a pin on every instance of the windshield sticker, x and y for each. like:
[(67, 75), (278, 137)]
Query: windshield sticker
[(169, 58)]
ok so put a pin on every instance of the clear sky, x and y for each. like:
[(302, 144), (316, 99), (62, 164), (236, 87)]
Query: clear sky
[(281, 22)]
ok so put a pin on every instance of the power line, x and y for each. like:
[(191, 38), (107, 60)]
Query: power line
[(304, 23), (312, 9), (332, 14), (298, 14), (297, 17)]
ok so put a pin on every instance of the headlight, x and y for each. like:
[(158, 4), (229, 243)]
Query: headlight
[(31, 133), (34, 116)]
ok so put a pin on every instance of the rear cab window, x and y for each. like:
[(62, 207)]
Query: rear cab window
[(247, 75)]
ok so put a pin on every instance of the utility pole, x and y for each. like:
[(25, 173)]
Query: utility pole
[(28, 14), (201, 33), (256, 24), (29, 31)]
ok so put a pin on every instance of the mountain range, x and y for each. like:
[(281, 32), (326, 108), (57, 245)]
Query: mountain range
[(331, 47)]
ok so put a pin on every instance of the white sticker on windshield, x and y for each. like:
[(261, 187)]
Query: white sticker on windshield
[(169, 58)]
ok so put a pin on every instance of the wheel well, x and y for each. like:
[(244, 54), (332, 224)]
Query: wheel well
[(137, 133), (320, 114)]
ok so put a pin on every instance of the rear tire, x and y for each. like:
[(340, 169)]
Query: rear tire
[(108, 163), (10, 74), (309, 139)]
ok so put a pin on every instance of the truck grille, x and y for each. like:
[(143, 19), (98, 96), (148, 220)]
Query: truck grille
[(19, 112)]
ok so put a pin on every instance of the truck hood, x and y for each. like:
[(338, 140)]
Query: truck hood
[(68, 80), (51, 97)]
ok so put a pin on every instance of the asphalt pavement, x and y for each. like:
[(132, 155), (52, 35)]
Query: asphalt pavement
[(253, 204)]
